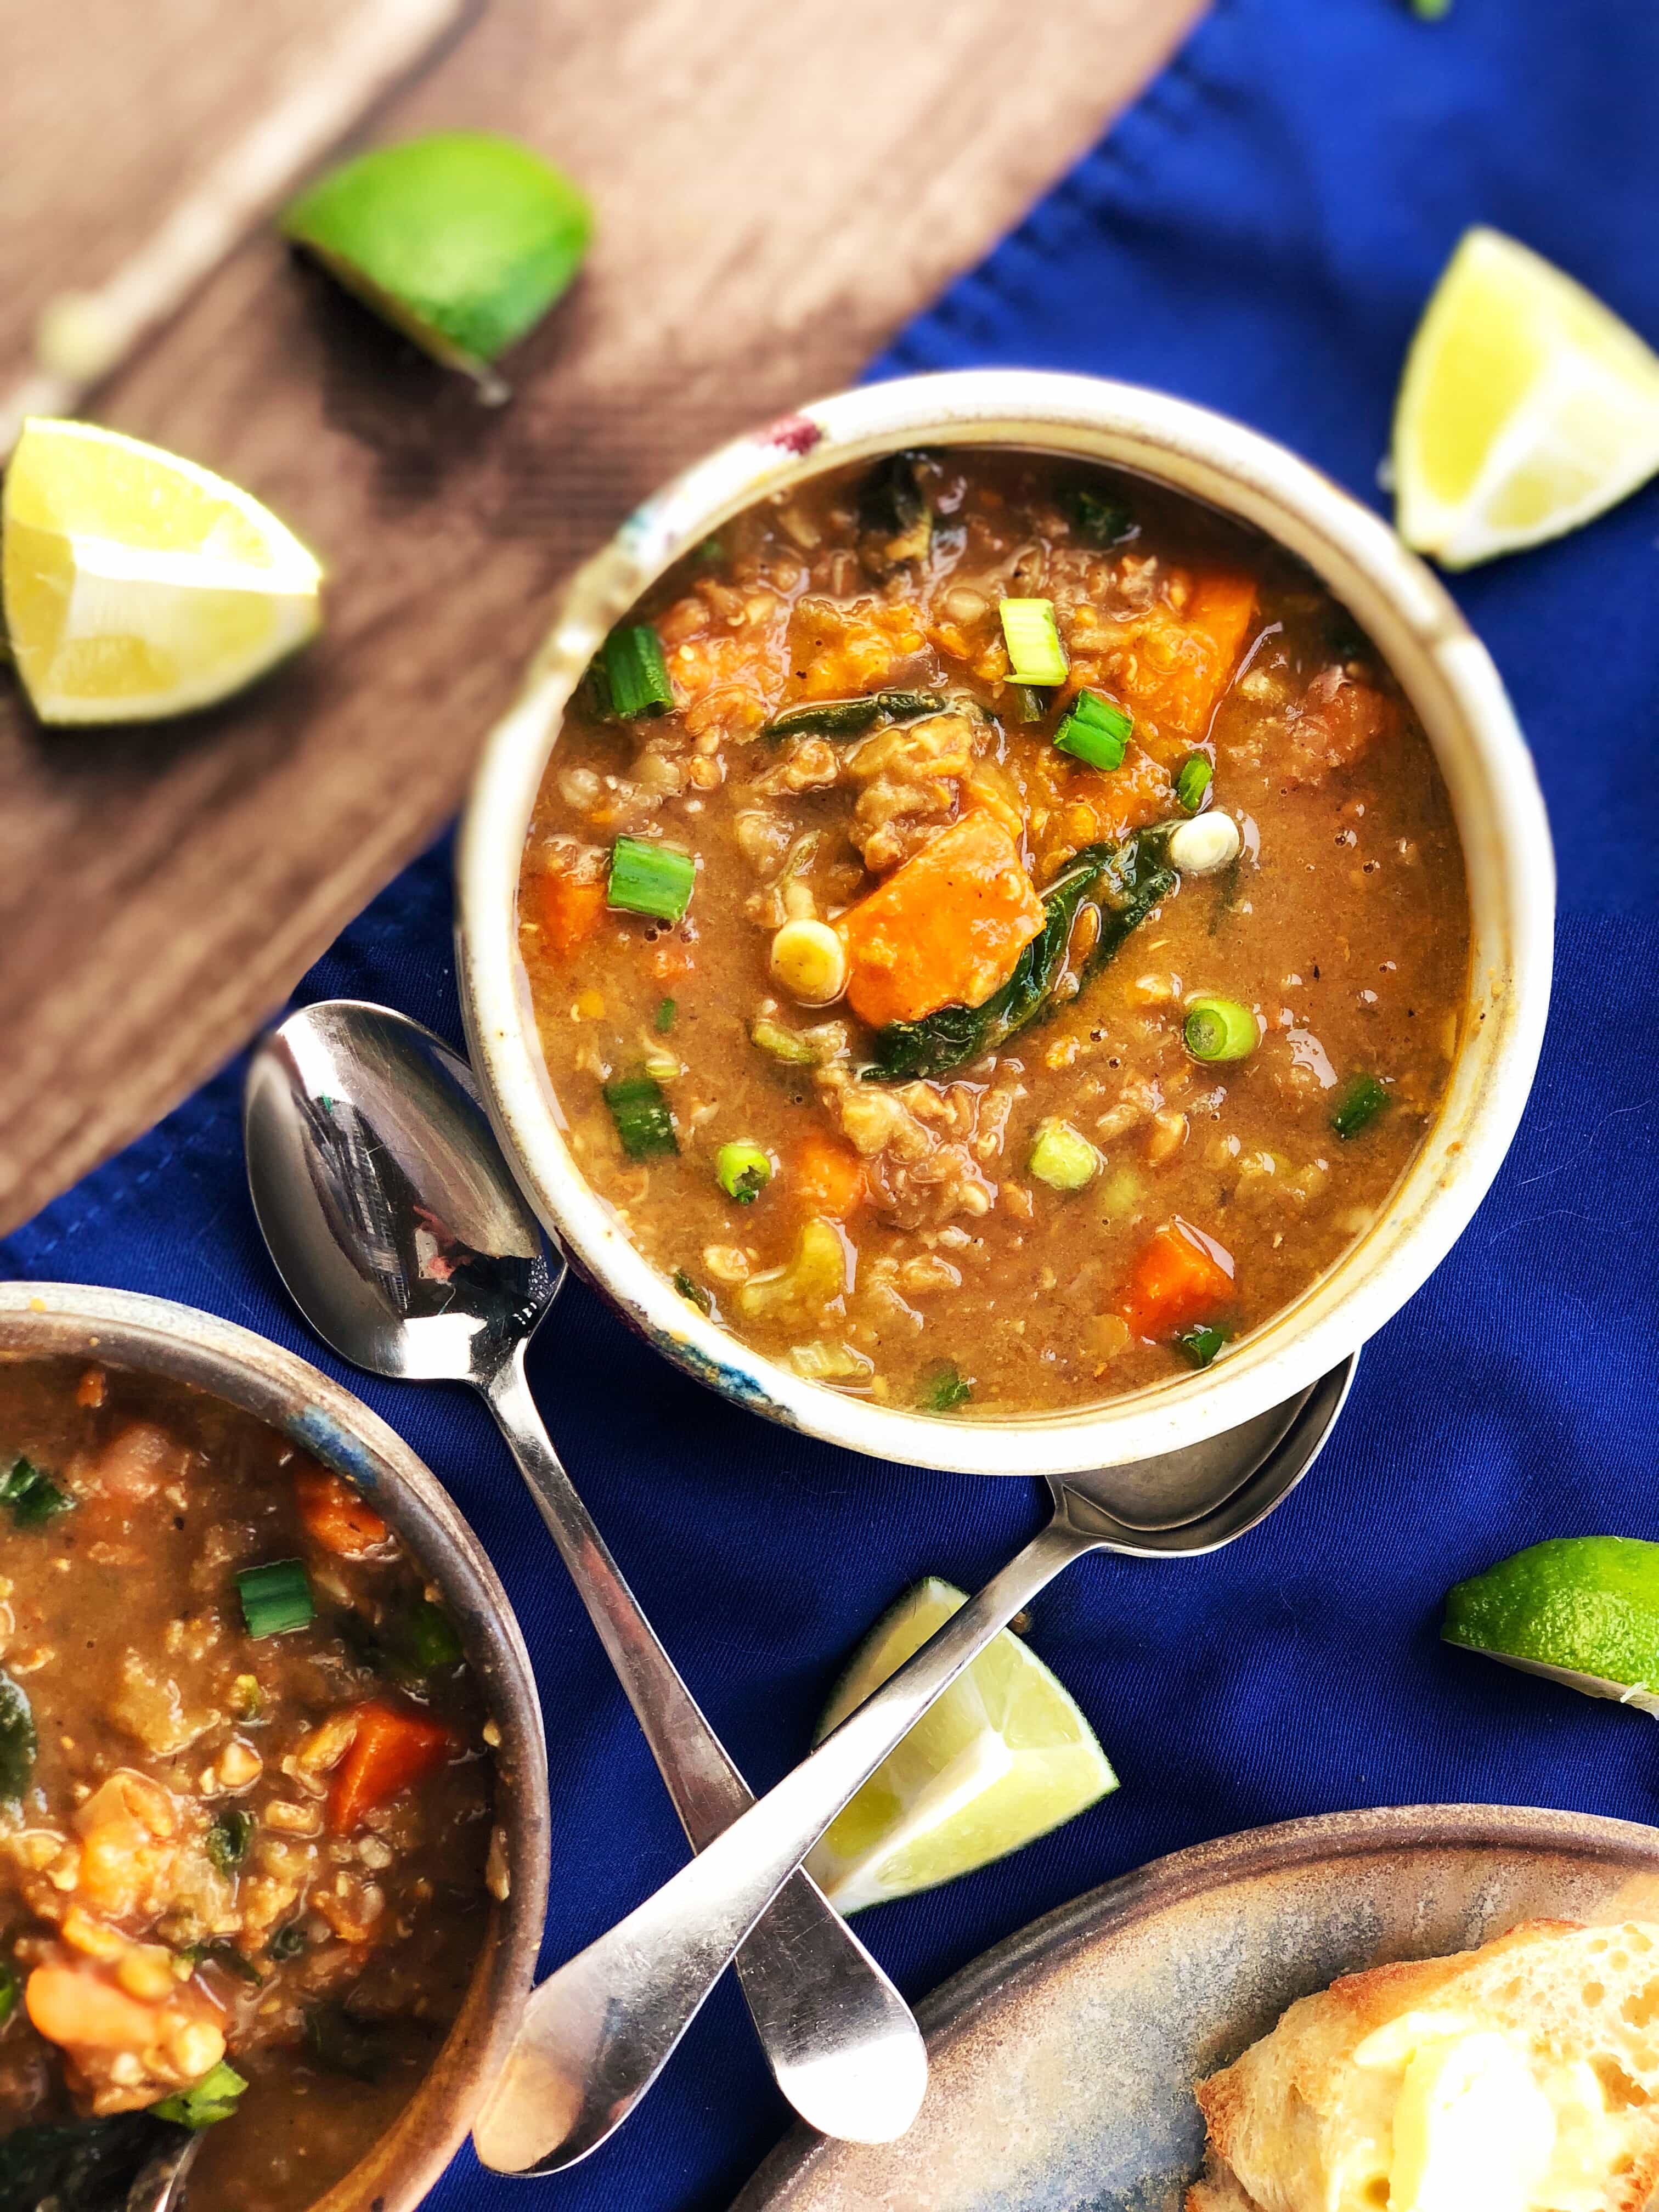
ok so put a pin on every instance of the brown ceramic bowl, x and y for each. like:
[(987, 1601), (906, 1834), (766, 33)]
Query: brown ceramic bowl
[(39, 1321)]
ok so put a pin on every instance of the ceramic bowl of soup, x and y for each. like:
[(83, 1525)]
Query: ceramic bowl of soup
[(273, 1795), (1010, 927)]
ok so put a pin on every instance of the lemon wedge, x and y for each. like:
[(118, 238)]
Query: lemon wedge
[(137, 584), (1001, 1758), (1526, 407)]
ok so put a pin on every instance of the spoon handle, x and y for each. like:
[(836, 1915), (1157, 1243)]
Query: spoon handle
[(599, 2030), (839, 2037)]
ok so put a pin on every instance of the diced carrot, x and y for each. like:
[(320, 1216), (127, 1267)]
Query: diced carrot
[(944, 929), (334, 1516), (570, 909), (393, 1748), (828, 1177), (1181, 1276), (1183, 662), (80, 2011)]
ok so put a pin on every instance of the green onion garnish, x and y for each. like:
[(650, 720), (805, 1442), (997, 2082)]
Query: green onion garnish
[(1219, 1028), (227, 1839), (692, 1291), (663, 1020), (945, 1390), (426, 1640), (1096, 521), (206, 2102), (1036, 654), (1062, 1157), (1359, 1105), (1095, 731), (10, 1988), (1192, 780), (743, 1171), (276, 1598), (650, 878), (1201, 1344), (635, 673), (642, 1113), (33, 1498)]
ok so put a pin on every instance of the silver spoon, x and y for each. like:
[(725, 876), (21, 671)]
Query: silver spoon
[(396, 1225), (599, 2029), (158, 2184)]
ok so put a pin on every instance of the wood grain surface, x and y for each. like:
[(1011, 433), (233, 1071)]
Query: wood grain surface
[(777, 187)]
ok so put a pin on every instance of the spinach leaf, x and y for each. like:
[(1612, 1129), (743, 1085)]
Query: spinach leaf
[(850, 718), (18, 1742), (1122, 881), (33, 1498), (894, 509), (80, 2166)]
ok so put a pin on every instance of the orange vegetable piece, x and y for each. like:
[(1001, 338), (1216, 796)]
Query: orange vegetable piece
[(944, 929), (828, 1177), (334, 1516), (1184, 662), (570, 909), (80, 2011), (1180, 1276), (392, 1749)]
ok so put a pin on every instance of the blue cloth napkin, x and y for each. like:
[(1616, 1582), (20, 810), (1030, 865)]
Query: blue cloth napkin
[(1258, 233)]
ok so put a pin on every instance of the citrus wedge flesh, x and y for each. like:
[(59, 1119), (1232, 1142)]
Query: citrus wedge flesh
[(136, 584), (463, 240), (1526, 407), (1001, 1758), (1583, 1610)]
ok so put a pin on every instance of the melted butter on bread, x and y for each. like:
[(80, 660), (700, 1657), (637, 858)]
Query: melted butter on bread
[(1521, 2077)]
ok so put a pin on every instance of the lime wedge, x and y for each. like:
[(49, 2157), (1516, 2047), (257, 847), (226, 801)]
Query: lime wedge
[(137, 584), (1583, 1610), (1001, 1758), (462, 241), (1526, 407)]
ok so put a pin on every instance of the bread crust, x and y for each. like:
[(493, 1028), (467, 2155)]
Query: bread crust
[(1280, 2117)]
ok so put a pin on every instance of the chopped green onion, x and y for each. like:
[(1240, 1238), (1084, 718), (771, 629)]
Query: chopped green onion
[(426, 1640), (1062, 1157), (1097, 521), (643, 1117), (1095, 731), (227, 1839), (650, 878), (1192, 780), (1200, 1344), (1359, 1105), (635, 674), (1032, 704), (787, 1045), (693, 1292), (1036, 654), (847, 718), (663, 1020), (206, 2102), (743, 1171), (1219, 1028), (10, 1988), (32, 1497), (945, 1390), (276, 1598)]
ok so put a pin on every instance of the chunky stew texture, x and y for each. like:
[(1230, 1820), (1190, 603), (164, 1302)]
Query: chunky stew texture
[(996, 929), (246, 1838)]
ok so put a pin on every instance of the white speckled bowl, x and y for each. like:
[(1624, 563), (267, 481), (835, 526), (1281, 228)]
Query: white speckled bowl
[(1450, 681)]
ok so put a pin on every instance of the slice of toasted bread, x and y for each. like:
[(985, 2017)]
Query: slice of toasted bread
[(1218, 2189), (1302, 2127)]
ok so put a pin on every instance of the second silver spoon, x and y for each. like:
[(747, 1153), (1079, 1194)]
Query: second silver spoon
[(396, 1225)]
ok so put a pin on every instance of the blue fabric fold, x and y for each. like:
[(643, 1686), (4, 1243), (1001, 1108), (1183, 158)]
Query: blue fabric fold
[(1258, 233)]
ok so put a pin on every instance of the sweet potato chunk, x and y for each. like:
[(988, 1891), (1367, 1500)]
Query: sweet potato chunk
[(1180, 664), (945, 929)]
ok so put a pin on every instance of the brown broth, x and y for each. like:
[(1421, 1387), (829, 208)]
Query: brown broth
[(331, 1956), (1343, 926)]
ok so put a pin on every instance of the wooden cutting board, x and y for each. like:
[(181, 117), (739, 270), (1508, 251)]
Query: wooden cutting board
[(778, 188)]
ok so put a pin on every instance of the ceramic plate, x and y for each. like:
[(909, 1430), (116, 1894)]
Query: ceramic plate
[(1063, 2061)]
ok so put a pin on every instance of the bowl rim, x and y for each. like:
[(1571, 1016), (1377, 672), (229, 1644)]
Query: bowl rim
[(186, 1346), (1444, 670)]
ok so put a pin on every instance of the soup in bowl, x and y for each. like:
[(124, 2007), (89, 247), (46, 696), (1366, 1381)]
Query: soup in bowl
[(999, 933)]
